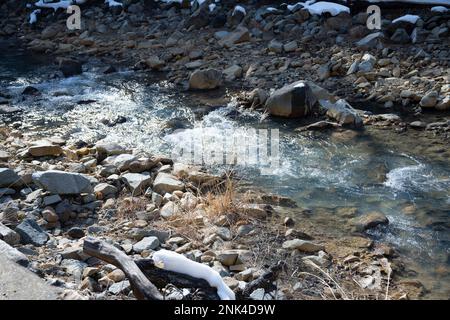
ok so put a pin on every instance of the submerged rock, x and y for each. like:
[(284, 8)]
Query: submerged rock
[(368, 221)]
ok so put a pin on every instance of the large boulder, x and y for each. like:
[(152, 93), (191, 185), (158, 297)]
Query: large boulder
[(8, 177), (31, 233), (61, 182), (205, 79), (294, 100), (70, 67), (167, 183)]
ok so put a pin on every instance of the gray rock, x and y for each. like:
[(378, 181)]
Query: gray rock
[(31, 232), (294, 100), (44, 148), (166, 183), (8, 177), (4, 156), (205, 79), (121, 161), (110, 149), (9, 236), (105, 189), (368, 221), (302, 245), (170, 209), (61, 182), (49, 200), (429, 100), (370, 41), (137, 182), (13, 254), (70, 67), (120, 287), (7, 192), (275, 46), (148, 243), (76, 232), (240, 35), (342, 112), (401, 36)]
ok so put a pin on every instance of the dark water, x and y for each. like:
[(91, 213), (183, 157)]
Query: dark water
[(372, 171)]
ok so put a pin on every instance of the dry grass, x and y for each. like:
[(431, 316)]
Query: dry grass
[(127, 207)]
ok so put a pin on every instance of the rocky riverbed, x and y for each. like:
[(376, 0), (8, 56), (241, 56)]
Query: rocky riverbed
[(61, 182)]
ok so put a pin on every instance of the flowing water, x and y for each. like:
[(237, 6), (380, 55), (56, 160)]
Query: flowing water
[(371, 171)]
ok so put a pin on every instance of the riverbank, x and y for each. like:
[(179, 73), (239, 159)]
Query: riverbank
[(349, 258)]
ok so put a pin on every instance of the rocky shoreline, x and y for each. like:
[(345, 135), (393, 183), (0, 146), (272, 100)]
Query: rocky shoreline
[(53, 195)]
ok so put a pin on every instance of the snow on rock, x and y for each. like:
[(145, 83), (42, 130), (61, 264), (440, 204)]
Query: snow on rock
[(112, 3), (172, 261), (439, 9), (407, 18), (62, 4), (240, 9), (320, 7), (33, 16), (430, 2)]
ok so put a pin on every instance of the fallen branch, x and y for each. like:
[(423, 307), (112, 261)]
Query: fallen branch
[(265, 281), (161, 278), (142, 288)]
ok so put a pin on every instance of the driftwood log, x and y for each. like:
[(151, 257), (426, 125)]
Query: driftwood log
[(145, 278), (142, 288)]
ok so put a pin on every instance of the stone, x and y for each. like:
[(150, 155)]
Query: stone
[(155, 63), (369, 221), (370, 41), (43, 148), (4, 156), (275, 46), (444, 104), (170, 209), (205, 79), (102, 190), (167, 183), (401, 36), (429, 100), (233, 72), (255, 210), (50, 215), (291, 46), (228, 257), (342, 112), (8, 177), (137, 182), (49, 200), (70, 67), (121, 161), (76, 232), (116, 275), (8, 235), (148, 243), (122, 287), (31, 232), (224, 233), (61, 182), (240, 35), (109, 149), (302, 245), (13, 254), (294, 100)]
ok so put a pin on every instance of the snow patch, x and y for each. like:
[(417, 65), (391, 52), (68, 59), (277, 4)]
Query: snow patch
[(240, 9), (33, 16), (172, 261), (439, 9), (407, 18)]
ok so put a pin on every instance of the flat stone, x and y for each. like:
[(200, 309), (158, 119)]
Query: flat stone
[(302, 245), (167, 183), (120, 287), (148, 243), (44, 148), (61, 182)]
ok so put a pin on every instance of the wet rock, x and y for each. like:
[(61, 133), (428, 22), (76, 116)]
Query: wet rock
[(13, 254), (294, 100), (137, 182), (205, 79), (70, 67), (31, 232), (368, 221), (148, 243), (302, 245), (30, 91), (342, 112), (61, 182), (167, 183), (8, 177)]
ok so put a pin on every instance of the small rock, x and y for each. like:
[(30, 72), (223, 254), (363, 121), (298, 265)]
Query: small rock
[(148, 243), (76, 233), (302, 245), (31, 232)]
